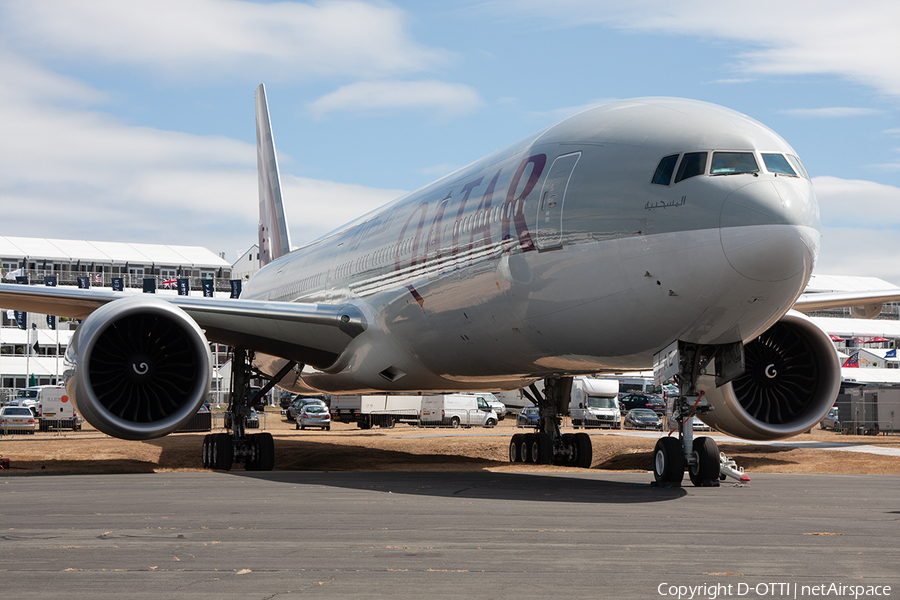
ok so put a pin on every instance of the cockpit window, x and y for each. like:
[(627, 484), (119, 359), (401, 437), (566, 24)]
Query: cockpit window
[(733, 163), (798, 166), (777, 163), (663, 174), (693, 164)]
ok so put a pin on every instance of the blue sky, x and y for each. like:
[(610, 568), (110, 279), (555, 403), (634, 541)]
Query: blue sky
[(133, 121)]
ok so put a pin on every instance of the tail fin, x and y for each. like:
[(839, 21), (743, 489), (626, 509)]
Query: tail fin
[(274, 239)]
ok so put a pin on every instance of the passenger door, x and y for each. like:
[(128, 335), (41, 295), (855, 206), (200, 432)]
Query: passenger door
[(550, 204)]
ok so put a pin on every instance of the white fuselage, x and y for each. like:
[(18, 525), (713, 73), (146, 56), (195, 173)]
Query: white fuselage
[(559, 255)]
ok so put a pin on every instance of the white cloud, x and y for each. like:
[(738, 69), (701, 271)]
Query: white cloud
[(72, 173), (215, 38), (832, 112), (857, 203), (860, 251), (367, 96), (860, 221), (855, 40), (314, 207)]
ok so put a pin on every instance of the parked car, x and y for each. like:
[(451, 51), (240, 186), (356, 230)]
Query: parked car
[(253, 420), (642, 418), (830, 421), (528, 417), (699, 425), (314, 415), (16, 419), (294, 409), (654, 403)]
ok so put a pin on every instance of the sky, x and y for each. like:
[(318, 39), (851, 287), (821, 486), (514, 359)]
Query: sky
[(134, 121)]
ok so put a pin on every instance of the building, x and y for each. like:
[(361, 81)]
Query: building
[(35, 355), (67, 260), (247, 264)]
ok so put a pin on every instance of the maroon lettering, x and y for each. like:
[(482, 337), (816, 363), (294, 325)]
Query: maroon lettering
[(435, 236), (514, 208), (467, 190), (483, 213), (421, 210)]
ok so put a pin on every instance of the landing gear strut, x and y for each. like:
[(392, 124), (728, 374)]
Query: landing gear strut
[(699, 456), (547, 445), (256, 451)]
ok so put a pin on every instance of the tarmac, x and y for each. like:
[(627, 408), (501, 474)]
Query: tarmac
[(446, 535)]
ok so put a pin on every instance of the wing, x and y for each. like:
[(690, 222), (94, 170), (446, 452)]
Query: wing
[(313, 334), (864, 304)]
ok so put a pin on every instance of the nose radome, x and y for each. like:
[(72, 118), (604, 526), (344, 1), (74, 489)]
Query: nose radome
[(769, 233)]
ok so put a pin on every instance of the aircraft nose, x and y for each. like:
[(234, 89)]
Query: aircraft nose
[(770, 229)]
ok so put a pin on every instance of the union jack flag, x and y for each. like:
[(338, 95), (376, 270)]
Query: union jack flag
[(852, 362), (170, 283)]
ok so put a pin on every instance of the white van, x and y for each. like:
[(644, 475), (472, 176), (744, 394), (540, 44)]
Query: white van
[(594, 403), (56, 410), (454, 410)]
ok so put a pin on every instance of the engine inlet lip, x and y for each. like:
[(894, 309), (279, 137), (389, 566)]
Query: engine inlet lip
[(826, 388), (92, 330)]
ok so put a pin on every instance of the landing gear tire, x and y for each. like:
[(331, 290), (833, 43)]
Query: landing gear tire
[(542, 449), (264, 455), (584, 451), (222, 452), (668, 461), (525, 447), (205, 451), (705, 471), (514, 445)]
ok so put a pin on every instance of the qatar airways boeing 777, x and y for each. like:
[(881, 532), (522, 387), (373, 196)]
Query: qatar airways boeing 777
[(653, 232)]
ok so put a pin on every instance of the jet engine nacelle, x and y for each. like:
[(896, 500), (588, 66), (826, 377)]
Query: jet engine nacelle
[(791, 379), (142, 368)]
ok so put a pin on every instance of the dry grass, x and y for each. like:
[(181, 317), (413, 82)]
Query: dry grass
[(405, 448)]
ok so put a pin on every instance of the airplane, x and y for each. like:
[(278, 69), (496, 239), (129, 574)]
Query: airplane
[(659, 232)]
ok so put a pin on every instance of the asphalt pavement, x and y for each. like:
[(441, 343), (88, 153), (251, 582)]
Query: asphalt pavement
[(446, 535)]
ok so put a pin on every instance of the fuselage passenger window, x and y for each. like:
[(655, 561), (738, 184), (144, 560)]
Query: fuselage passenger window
[(663, 174), (733, 163), (777, 163), (693, 164)]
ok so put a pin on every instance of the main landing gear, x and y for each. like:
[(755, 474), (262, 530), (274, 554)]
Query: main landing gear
[(547, 445), (256, 451), (700, 456)]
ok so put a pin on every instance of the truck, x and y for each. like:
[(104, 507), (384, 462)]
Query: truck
[(55, 410), (594, 403), (380, 410), (457, 410)]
